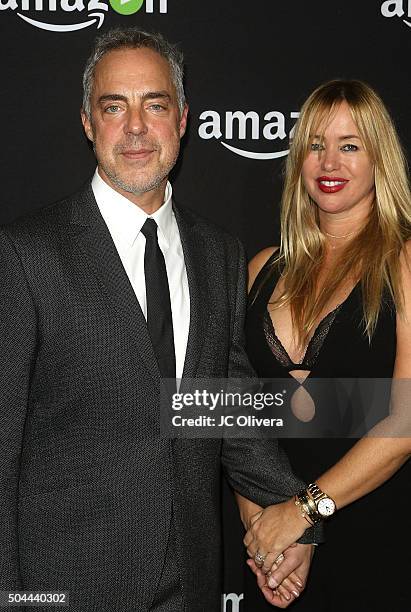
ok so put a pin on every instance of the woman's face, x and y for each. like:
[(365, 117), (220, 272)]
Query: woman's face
[(337, 172)]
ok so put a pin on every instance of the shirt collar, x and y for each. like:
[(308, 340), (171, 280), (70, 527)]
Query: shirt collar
[(125, 219)]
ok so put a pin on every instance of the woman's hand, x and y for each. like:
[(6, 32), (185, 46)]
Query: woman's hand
[(273, 530), (248, 510)]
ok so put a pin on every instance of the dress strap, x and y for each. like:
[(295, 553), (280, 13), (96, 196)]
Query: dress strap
[(264, 284)]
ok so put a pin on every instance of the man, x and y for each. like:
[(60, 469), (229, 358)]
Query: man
[(102, 295)]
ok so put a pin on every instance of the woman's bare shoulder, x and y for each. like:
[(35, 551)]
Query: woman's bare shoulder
[(258, 262)]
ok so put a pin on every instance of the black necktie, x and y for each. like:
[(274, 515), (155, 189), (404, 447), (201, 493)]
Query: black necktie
[(159, 319)]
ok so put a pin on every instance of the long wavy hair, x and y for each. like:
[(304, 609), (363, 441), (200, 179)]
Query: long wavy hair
[(373, 255)]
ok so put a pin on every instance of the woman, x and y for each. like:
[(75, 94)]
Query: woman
[(335, 301)]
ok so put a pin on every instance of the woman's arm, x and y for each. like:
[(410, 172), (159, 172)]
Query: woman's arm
[(248, 510)]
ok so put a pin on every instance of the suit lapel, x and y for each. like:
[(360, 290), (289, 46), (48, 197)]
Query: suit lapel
[(94, 240), (88, 228), (194, 249)]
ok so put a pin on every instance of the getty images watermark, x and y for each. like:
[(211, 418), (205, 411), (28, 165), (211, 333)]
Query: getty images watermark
[(310, 408), (228, 405)]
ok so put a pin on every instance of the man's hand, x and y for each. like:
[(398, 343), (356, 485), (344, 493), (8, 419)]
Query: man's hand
[(273, 530), (288, 578)]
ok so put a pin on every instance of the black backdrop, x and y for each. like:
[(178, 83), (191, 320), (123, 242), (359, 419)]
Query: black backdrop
[(252, 57)]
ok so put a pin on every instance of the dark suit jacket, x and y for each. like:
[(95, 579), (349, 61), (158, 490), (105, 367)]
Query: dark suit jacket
[(87, 485)]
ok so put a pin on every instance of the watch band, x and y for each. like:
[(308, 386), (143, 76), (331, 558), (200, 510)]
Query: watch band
[(307, 508), (316, 494)]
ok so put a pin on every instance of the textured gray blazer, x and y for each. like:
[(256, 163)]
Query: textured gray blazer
[(87, 486)]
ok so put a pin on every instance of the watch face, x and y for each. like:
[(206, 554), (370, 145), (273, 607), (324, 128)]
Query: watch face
[(326, 507)]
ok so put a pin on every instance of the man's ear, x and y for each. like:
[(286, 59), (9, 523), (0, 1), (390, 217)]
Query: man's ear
[(183, 120), (86, 125)]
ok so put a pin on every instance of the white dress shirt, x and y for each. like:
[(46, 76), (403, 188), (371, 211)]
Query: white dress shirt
[(124, 221)]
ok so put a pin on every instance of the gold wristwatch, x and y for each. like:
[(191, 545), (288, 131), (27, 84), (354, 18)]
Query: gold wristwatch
[(324, 504)]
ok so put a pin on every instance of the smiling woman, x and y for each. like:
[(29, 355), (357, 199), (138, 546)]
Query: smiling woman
[(346, 206), (334, 301), (338, 162)]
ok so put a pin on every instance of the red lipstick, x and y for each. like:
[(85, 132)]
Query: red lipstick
[(331, 184)]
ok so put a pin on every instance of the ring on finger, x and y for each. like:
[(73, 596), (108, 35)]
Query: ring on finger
[(279, 559), (259, 558)]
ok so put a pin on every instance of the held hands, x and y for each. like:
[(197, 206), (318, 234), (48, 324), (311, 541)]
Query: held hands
[(287, 579), (272, 531)]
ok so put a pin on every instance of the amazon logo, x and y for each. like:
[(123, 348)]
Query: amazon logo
[(72, 15), (397, 8), (237, 126)]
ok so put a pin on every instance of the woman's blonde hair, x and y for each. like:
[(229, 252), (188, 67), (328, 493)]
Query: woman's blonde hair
[(373, 255)]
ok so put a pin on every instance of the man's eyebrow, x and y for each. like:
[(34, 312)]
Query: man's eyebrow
[(112, 98), (150, 95)]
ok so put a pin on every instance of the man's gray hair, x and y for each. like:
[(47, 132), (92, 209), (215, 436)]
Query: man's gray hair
[(132, 38)]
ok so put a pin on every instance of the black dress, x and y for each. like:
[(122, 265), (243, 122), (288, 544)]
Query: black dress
[(365, 563)]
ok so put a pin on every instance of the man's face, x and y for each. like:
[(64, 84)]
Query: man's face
[(135, 122)]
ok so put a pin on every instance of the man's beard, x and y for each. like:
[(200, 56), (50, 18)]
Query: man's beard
[(136, 188), (144, 184)]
